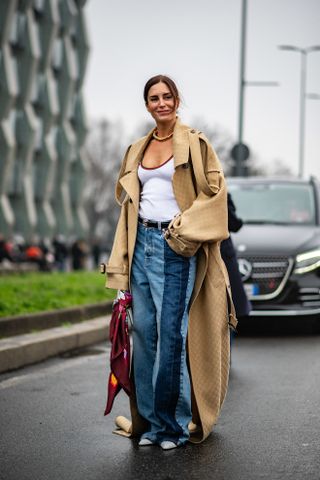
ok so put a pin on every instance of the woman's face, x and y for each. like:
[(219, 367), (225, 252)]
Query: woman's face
[(161, 104)]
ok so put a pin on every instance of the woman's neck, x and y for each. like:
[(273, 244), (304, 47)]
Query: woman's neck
[(164, 129)]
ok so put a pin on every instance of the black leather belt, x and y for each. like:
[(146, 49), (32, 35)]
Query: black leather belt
[(153, 224)]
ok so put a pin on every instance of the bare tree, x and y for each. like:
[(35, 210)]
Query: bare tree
[(142, 129), (105, 145), (223, 142), (220, 139), (279, 168)]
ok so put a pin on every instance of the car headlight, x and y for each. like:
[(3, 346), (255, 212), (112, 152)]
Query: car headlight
[(306, 262)]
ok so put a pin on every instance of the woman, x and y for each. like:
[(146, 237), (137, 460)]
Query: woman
[(167, 252)]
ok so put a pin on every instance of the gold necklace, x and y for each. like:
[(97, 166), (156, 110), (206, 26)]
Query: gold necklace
[(161, 139)]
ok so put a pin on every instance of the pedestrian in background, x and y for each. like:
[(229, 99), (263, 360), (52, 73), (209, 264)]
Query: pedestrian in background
[(229, 255), (5, 253), (60, 252), (167, 252), (79, 253), (96, 252)]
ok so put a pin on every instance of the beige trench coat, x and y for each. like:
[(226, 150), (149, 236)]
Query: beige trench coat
[(199, 228)]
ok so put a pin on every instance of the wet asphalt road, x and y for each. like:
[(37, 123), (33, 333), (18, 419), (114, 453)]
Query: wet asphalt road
[(52, 424)]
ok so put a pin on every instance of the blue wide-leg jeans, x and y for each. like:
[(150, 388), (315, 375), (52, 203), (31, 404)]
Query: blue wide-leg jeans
[(161, 285)]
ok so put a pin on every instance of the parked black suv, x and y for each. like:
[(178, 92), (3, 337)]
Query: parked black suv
[(278, 246)]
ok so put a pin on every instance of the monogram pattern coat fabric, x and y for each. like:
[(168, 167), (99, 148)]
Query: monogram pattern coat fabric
[(199, 228)]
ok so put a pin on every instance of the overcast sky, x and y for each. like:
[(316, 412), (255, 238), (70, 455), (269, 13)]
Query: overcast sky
[(197, 43)]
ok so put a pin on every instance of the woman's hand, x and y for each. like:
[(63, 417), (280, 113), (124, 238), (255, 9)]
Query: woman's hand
[(121, 294)]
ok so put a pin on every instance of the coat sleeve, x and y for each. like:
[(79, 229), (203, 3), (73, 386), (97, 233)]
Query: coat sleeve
[(206, 220), (117, 268)]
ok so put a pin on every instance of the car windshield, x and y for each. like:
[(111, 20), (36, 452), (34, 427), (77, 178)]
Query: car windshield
[(274, 203)]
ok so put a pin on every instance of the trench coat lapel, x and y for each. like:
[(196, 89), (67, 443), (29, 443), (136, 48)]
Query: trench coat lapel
[(130, 181), (181, 159), (130, 184)]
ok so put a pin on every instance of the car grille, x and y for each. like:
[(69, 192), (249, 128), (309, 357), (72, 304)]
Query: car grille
[(309, 297), (268, 275)]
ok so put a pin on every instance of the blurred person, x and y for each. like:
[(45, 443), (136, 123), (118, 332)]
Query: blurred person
[(18, 248), (96, 252), (34, 253), (5, 253), (229, 255), (166, 250), (60, 252), (79, 253), (47, 250)]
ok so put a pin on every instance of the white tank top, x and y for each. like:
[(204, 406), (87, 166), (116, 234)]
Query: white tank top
[(157, 200)]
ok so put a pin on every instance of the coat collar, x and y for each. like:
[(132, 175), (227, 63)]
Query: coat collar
[(180, 143)]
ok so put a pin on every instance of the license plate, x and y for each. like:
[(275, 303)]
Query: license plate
[(251, 289)]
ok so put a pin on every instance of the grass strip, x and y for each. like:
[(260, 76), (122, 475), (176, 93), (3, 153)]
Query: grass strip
[(39, 292)]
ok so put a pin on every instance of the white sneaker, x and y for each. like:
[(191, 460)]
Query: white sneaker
[(167, 445), (144, 442)]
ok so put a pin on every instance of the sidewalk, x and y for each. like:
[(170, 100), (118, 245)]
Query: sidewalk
[(33, 338)]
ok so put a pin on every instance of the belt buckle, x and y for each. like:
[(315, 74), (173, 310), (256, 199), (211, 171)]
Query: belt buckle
[(144, 222)]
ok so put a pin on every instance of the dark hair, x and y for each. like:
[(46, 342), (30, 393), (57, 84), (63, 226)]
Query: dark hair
[(157, 79)]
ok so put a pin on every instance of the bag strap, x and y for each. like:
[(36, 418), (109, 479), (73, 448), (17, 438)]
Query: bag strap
[(196, 158)]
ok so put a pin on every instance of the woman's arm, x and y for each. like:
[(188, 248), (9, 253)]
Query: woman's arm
[(206, 220), (117, 268)]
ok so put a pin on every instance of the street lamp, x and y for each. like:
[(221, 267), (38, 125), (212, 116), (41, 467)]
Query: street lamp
[(240, 151), (303, 82)]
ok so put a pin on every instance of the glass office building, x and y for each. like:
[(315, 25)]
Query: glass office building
[(43, 57)]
